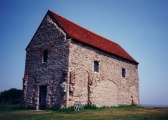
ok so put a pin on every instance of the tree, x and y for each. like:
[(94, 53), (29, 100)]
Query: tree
[(12, 95)]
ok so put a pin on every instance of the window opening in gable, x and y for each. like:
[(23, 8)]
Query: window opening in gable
[(96, 66), (123, 72), (45, 55)]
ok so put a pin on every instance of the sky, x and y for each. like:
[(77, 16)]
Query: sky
[(139, 26)]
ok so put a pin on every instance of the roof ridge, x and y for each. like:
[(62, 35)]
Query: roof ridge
[(83, 27), (88, 37)]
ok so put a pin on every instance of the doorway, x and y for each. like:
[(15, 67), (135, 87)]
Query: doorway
[(42, 97)]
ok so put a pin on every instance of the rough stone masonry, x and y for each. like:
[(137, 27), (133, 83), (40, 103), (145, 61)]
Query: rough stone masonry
[(61, 70)]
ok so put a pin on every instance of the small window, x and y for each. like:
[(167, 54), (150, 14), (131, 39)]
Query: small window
[(96, 66), (123, 72), (45, 55)]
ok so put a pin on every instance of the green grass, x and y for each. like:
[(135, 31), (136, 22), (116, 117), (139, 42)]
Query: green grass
[(16, 112)]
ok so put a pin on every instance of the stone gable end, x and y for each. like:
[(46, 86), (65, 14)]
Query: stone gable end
[(51, 73)]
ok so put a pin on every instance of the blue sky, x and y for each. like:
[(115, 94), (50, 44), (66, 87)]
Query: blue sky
[(139, 26)]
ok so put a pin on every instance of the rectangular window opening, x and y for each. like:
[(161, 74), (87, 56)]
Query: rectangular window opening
[(123, 72), (96, 66)]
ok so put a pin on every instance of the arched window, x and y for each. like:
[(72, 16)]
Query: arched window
[(45, 55)]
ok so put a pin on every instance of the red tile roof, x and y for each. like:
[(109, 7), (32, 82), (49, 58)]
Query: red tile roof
[(81, 34)]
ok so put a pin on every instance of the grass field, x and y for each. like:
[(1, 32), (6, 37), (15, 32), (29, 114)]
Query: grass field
[(15, 112)]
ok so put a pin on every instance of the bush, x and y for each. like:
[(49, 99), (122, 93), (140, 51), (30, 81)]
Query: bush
[(66, 110), (12, 96), (90, 107), (53, 108)]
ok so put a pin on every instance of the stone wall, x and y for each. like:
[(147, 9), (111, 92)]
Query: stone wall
[(107, 87), (51, 73)]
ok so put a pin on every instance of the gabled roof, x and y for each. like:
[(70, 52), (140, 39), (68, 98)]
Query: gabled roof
[(85, 36)]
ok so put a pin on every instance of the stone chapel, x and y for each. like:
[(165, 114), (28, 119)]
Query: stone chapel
[(66, 63)]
